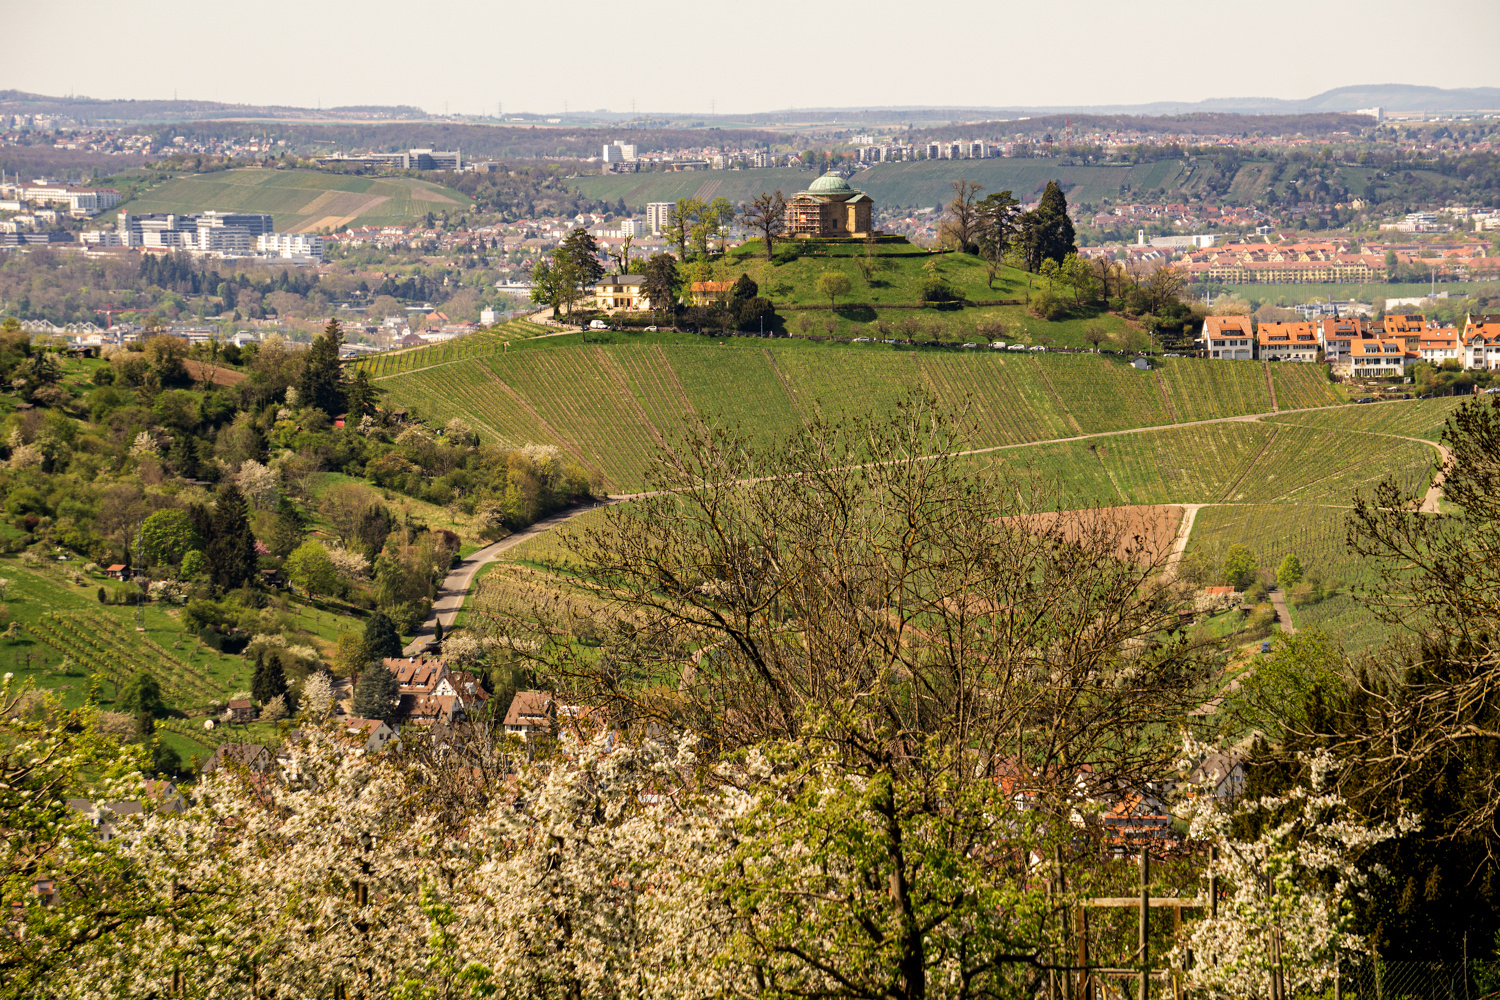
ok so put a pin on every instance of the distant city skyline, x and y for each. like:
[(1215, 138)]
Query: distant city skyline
[(672, 56)]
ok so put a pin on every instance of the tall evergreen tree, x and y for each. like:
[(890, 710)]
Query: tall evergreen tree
[(322, 377), (269, 680), (288, 530), (231, 545), (360, 395), (583, 251), (380, 636), (661, 281), (1046, 231), (375, 694)]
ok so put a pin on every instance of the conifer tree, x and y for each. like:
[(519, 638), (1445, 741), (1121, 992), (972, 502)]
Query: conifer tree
[(231, 545), (322, 378), (269, 680), (375, 694), (380, 636), (1046, 231)]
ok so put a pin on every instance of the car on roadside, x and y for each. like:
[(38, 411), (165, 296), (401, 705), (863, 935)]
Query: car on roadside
[(998, 345), (650, 329), (1425, 395), (971, 345), (1171, 355), (1037, 347), (888, 341), (1016, 347), (1491, 392), (861, 340), (1366, 399), (598, 324)]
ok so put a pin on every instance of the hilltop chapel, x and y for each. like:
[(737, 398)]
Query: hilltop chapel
[(829, 208)]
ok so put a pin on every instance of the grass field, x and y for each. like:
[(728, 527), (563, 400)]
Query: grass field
[(612, 407), (302, 200)]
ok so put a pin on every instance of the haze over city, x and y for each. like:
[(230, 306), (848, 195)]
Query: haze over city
[(685, 57)]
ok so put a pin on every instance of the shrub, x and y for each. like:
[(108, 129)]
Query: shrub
[(1045, 305)]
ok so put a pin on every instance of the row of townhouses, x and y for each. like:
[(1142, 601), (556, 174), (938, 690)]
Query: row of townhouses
[(1356, 346)]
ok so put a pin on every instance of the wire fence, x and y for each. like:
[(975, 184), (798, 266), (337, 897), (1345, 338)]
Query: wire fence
[(1372, 980)]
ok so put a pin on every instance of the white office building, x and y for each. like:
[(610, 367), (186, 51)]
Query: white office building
[(638, 228)]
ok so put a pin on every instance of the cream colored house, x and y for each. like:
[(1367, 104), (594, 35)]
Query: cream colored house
[(621, 292)]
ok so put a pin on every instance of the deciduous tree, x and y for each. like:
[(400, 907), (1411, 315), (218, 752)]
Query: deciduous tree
[(766, 215)]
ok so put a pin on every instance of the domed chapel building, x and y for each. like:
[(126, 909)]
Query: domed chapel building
[(829, 208)]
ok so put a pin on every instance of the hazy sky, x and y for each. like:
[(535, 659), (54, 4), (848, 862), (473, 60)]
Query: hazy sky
[(672, 55)]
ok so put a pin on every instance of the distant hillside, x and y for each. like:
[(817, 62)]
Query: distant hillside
[(303, 200), (93, 110)]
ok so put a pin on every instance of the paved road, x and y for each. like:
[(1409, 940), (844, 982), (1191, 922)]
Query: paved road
[(1283, 615), (455, 588)]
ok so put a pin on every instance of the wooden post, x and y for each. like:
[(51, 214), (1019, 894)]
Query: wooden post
[(1213, 883), (1085, 987), (1145, 924), (1062, 893), (1177, 935)]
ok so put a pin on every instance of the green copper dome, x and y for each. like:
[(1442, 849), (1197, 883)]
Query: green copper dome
[(829, 184)]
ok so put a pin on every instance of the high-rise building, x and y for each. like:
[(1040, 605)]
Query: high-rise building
[(659, 216), (291, 245), (979, 150), (635, 227), (934, 150)]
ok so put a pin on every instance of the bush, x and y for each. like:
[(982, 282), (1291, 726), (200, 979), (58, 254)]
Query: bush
[(408, 616), (1045, 305), (224, 640)]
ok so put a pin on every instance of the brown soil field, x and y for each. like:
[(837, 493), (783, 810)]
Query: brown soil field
[(221, 375), (1145, 532)]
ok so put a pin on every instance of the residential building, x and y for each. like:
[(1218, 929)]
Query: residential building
[(1339, 334), (1229, 338), (372, 735), (621, 291), (531, 712), (659, 215), (1482, 345), (702, 293), (829, 208), (1287, 342), (251, 756), (934, 151), (1443, 344), (427, 691), (978, 150), (1371, 358), (638, 228), (291, 245)]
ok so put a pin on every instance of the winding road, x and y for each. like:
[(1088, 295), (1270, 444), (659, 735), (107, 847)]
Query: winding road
[(456, 585)]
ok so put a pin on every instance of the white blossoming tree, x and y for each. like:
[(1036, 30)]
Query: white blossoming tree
[(1283, 916)]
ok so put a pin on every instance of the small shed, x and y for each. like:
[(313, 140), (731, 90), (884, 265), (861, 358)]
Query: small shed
[(1141, 364), (241, 710), (115, 572)]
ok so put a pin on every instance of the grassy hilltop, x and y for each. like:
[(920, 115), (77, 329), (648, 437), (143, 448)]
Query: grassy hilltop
[(302, 200)]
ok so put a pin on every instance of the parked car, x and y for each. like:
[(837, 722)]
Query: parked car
[(1425, 395), (861, 340), (1171, 355), (650, 329), (1366, 399), (888, 341), (998, 345), (1491, 392), (971, 345), (1037, 347), (1016, 347), (598, 324)]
